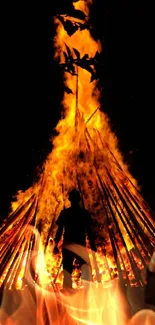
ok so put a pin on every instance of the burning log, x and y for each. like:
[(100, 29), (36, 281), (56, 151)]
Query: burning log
[(13, 254)]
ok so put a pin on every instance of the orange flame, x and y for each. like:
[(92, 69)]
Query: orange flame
[(94, 304), (64, 165)]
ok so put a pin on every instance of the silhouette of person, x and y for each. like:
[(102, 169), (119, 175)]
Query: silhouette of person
[(76, 223)]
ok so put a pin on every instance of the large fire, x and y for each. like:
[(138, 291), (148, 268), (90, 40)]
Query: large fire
[(86, 156)]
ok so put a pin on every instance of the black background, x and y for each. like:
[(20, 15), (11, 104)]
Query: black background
[(32, 88)]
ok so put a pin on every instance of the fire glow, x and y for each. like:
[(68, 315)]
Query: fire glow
[(86, 156), (94, 304)]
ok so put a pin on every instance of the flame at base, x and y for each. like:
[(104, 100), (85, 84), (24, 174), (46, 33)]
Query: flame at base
[(94, 304), (104, 305)]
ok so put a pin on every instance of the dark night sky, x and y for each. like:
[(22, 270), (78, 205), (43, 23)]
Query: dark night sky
[(30, 104)]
